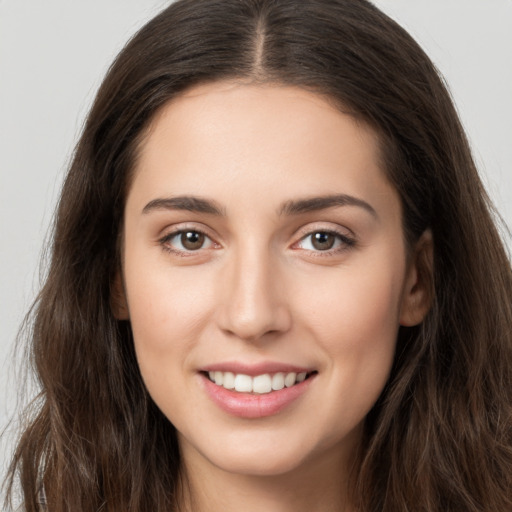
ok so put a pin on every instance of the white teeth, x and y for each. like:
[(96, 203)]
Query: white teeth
[(229, 380), (243, 383), (301, 376), (260, 384), (289, 380), (278, 381)]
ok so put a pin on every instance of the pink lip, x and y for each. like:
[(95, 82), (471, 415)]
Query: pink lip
[(248, 405), (255, 369)]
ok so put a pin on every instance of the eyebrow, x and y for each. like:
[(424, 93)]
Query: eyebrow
[(187, 203), (292, 207), (299, 206)]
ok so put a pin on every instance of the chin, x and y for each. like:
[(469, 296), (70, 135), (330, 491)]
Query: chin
[(262, 465), (264, 453), (249, 453)]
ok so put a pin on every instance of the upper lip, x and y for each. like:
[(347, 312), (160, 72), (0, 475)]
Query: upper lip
[(253, 369)]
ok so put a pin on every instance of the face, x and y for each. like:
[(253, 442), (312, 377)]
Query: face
[(263, 250)]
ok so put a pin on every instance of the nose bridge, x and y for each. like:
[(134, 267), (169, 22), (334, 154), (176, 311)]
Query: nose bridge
[(253, 303)]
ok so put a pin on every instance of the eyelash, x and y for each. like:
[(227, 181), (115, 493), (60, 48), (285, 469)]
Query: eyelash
[(165, 241), (344, 242)]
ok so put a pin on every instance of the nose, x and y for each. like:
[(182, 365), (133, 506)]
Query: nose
[(253, 304)]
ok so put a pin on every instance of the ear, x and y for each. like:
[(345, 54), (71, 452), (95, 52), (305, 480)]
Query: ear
[(418, 290), (118, 302)]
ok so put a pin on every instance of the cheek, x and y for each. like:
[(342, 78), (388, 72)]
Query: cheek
[(165, 302), (167, 315), (353, 307), (168, 309), (367, 316), (354, 318)]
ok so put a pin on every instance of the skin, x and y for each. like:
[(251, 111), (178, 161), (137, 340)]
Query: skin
[(258, 289)]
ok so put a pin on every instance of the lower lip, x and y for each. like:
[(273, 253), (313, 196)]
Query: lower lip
[(245, 405)]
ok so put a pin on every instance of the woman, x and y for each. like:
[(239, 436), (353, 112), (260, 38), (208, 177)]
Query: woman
[(276, 283)]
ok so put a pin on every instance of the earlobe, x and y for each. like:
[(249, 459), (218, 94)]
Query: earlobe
[(418, 290), (118, 302)]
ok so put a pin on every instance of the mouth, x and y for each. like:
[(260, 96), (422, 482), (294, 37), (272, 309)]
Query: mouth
[(256, 390), (258, 384)]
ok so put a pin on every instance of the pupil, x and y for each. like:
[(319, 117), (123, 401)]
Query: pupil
[(192, 240), (323, 241)]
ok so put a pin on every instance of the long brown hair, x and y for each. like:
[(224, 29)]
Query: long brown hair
[(440, 436)]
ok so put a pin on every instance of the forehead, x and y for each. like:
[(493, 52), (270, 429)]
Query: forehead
[(292, 112), (276, 140)]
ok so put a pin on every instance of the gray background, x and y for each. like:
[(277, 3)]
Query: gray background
[(53, 54)]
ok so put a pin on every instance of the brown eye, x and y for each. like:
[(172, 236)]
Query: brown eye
[(323, 241), (192, 240), (328, 242), (187, 241)]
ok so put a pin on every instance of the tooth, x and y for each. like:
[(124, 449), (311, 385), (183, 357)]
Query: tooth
[(229, 380), (243, 383), (262, 384), (301, 376), (289, 380), (278, 381)]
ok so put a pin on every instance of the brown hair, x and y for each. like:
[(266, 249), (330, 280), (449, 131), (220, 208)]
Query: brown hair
[(440, 436)]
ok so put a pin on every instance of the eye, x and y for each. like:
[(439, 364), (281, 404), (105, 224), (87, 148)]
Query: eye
[(325, 241), (187, 240)]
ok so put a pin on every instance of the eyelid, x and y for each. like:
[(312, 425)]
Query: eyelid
[(327, 227)]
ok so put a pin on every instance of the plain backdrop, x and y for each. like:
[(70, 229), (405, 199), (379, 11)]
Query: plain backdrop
[(53, 54)]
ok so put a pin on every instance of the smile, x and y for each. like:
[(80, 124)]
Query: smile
[(260, 384), (255, 391)]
